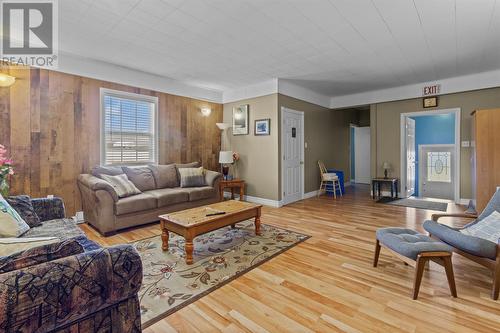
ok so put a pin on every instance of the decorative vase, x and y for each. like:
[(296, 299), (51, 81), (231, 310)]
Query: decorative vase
[(225, 171), (4, 187)]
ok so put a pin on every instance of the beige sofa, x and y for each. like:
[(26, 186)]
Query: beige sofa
[(161, 193)]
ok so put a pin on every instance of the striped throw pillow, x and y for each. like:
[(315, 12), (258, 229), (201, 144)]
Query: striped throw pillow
[(122, 185), (192, 177)]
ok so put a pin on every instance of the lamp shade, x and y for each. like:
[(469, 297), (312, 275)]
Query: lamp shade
[(226, 157), (386, 166)]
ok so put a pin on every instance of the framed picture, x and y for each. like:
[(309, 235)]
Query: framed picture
[(240, 120), (430, 102), (262, 127)]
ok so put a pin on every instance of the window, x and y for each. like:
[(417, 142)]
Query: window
[(129, 132), (438, 167)]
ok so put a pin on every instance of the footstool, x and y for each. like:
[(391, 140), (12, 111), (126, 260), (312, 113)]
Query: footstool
[(416, 250)]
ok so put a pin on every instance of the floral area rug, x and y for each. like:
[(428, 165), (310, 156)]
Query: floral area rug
[(219, 257)]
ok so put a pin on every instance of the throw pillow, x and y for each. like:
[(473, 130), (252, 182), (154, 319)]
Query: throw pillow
[(11, 224), (22, 205), (488, 228), (185, 165), (121, 184), (165, 175), (142, 177), (192, 177)]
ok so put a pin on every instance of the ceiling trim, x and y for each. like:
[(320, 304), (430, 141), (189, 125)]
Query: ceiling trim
[(288, 88), (482, 80), (251, 91), (76, 65)]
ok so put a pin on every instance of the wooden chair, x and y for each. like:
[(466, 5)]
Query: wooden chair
[(482, 251), (328, 178)]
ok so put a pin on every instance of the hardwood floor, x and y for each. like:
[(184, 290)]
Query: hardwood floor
[(328, 284)]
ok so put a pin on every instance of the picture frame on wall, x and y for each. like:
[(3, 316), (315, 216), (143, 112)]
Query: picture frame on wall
[(262, 127), (240, 120)]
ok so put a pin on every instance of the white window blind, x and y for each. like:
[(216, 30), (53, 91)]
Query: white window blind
[(129, 134)]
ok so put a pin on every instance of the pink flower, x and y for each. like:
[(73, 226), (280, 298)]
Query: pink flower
[(236, 156)]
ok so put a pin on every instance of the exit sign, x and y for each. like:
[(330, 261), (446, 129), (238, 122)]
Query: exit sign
[(431, 90)]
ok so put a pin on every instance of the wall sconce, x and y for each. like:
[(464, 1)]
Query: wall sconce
[(205, 112), (6, 80)]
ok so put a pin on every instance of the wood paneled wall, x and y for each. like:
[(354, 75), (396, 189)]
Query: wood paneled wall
[(49, 121)]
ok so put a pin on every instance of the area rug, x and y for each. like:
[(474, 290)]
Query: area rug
[(219, 257), (416, 203)]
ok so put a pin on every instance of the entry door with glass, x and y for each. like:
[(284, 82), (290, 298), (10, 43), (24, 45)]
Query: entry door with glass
[(437, 171)]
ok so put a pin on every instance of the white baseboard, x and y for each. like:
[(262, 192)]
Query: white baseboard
[(257, 200), (310, 194)]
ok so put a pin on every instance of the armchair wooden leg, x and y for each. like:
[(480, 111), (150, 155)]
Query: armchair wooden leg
[(419, 271), (496, 280), (448, 267), (377, 253)]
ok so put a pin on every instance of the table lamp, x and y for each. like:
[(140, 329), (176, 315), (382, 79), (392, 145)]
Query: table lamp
[(386, 166), (225, 158)]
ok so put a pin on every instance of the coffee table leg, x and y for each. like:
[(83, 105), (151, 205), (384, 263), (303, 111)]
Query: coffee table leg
[(257, 223), (164, 239), (189, 251)]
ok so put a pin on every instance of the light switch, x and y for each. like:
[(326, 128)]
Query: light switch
[(465, 143), (305, 145)]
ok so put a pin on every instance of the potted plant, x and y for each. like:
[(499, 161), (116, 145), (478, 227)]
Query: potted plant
[(6, 171)]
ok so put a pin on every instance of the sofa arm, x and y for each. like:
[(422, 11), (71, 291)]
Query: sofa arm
[(47, 296), (211, 177), (49, 209), (96, 184)]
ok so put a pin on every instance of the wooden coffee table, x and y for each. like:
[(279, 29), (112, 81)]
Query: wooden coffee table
[(194, 222)]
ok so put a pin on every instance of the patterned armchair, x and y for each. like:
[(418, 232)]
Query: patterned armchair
[(71, 286)]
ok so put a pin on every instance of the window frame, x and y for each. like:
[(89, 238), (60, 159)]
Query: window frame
[(102, 124)]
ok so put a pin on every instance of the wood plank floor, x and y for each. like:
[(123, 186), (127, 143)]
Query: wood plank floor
[(328, 284)]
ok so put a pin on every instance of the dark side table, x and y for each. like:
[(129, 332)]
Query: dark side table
[(377, 183)]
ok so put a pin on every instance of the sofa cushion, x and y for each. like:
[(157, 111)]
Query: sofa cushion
[(106, 170), (169, 196), (165, 175), (141, 177), (22, 205), (60, 228), (135, 203), (200, 193), (11, 224), (192, 177), (122, 185)]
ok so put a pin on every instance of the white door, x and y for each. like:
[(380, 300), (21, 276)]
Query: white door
[(362, 155), (437, 171), (410, 156), (292, 150)]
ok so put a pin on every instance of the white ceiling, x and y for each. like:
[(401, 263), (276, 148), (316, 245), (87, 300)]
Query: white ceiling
[(332, 47)]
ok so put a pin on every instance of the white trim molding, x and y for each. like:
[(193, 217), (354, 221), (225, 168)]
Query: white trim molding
[(256, 90), (288, 88), (257, 200), (100, 70), (483, 80)]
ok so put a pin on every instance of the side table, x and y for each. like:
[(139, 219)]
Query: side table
[(232, 184), (378, 182)]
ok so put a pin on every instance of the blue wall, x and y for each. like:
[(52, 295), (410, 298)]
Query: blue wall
[(434, 129)]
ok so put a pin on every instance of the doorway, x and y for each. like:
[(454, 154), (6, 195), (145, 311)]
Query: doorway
[(360, 154), (430, 154), (292, 151)]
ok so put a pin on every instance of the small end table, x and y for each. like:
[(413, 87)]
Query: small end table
[(378, 182), (232, 184)]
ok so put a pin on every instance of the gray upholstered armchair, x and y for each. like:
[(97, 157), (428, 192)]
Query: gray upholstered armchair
[(482, 251)]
